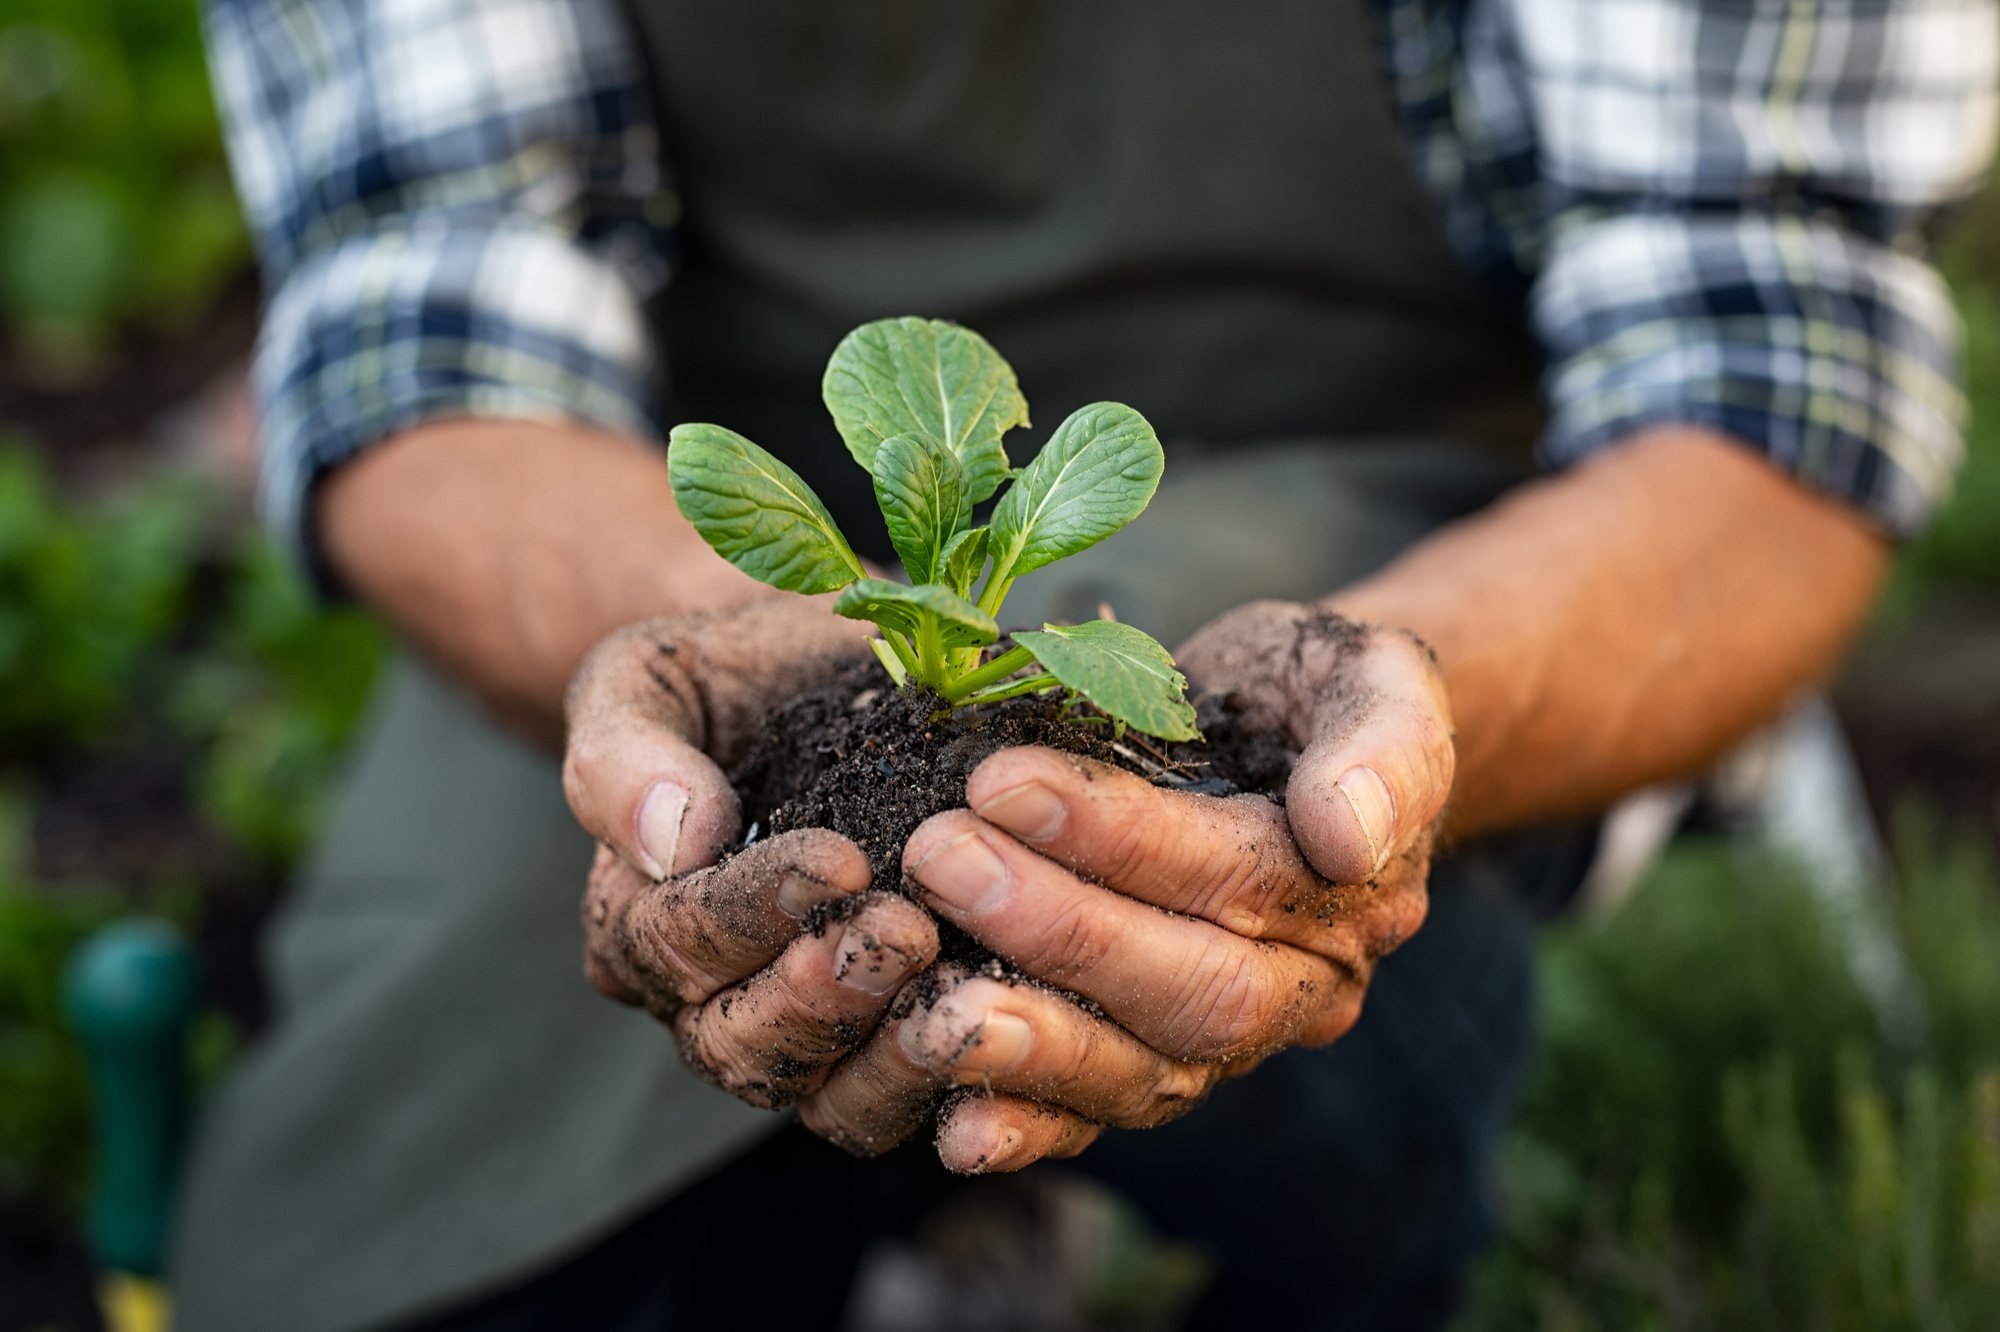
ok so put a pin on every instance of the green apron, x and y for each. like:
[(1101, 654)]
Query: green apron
[(1202, 210)]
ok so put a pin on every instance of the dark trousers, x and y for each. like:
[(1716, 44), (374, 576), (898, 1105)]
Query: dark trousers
[(1341, 1187)]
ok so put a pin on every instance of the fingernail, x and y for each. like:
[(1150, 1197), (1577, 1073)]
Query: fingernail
[(799, 893), (661, 814), (966, 874), (1002, 1044), (863, 962), (1030, 809), (1001, 1152), (1368, 796)]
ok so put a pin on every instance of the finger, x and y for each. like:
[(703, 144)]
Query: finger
[(633, 767), (1227, 860), (1035, 1043), (979, 1134), (1188, 988), (773, 1038), (678, 942), (1375, 776), (878, 1096)]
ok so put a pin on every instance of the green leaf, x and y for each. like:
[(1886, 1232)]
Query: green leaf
[(893, 606), (1096, 474), (964, 556), (757, 513), (921, 490), (1122, 670), (928, 378)]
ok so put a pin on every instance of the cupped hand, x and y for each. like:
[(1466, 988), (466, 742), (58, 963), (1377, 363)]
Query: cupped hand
[(1207, 932), (762, 1004)]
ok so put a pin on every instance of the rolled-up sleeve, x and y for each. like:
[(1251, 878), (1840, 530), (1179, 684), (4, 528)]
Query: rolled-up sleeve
[(460, 210), (1733, 203)]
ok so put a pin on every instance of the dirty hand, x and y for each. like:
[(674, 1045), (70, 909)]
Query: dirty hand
[(761, 1005), (1211, 932)]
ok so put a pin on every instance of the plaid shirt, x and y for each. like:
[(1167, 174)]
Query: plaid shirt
[(1711, 212)]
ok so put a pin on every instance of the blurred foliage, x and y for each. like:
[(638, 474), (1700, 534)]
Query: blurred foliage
[(155, 618), (151, 622), (43, 1095), (1963, 546), (1719, 1135), (115, 203), (1961, 550)]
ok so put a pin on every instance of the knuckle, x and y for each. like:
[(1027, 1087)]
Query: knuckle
[(604, 977), (709, 1046), (581, 760), (1247, 888), (649, 940), (1399, 917), (590, 755), (1076, 1135), (1337, 1018), (1133, 836), (1173, 1091), (1229, 1011), (824, 1118), (1069, 943)]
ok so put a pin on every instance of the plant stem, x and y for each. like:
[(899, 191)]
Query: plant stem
[(1034, 684), (899, 646), (891, 663), (992, 672), (930, 652), (995, 591)]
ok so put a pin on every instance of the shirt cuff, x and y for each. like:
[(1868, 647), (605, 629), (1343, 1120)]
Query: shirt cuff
[(1834, 356), (409, 320)]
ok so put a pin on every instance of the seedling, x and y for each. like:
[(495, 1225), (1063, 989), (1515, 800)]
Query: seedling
[(923, 405)]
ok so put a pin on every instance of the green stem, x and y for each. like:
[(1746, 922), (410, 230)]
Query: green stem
[(901, 647), (997, 584), (992, 672), (930, 651), (1034, 684)]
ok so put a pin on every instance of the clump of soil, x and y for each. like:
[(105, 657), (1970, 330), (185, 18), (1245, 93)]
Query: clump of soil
[(867, 761)]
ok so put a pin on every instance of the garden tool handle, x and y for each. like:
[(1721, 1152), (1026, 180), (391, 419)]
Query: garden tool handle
[(130, 993)]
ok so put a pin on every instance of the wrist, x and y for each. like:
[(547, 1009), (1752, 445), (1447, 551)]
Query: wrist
[(502, 550)]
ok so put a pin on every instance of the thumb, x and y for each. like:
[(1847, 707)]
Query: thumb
[(633, 768), (1377, 771)]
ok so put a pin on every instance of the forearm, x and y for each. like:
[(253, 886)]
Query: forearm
[(503, 550), (1625, 621)]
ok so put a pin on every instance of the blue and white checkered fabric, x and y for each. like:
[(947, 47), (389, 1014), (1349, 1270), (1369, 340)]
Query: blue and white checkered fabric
[(1712, 212)]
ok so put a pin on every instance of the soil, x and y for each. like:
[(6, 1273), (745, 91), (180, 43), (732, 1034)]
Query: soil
[(869, 762)]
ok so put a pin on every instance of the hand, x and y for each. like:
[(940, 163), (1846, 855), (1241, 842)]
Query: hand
[(1070, 870), (762, 1006)]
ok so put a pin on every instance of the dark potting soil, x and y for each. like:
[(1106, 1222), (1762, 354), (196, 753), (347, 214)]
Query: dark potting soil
[(868, 761)]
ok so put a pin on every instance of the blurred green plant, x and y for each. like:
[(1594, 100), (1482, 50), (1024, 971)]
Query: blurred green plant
[(1960, 552), (115, 202), (1963, 546), (151, 622), (1718, 1134), (153, 617), (44, 1098)]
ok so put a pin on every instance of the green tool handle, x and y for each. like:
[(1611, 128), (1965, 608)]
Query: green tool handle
[(130, 993)]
